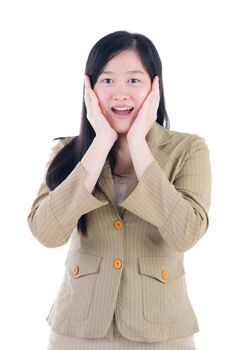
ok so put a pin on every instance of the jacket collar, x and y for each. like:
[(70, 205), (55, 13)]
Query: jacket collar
[(157, 137)]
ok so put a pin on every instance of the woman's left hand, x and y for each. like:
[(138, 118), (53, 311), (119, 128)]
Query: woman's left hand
[(147, 113)]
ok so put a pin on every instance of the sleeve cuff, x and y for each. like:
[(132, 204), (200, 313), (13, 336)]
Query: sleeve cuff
[(71, 199), (154, 198)]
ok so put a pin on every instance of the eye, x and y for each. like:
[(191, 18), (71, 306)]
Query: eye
[(134, 81), (107, 81)]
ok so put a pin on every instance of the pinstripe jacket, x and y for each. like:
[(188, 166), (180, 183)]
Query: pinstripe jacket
[(131, 263)]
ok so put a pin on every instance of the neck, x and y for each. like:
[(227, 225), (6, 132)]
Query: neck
[(123, 156), (121, 144)]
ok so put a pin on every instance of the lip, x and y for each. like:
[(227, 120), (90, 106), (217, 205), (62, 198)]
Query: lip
[(121, 106), (122, 115)]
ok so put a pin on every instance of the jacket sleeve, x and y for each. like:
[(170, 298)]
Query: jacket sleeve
[(55, 213), (180, 209)]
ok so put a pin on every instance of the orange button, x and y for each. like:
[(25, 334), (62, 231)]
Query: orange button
[(117, 263), (118, 224), (165, 274), (74, 269)]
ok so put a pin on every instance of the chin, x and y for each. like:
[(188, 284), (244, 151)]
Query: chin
[(121, 129), (122, 132)]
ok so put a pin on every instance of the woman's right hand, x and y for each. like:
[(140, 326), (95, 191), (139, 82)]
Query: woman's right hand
[(98, 121)]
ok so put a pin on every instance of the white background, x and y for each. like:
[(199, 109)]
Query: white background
[(205, 51)]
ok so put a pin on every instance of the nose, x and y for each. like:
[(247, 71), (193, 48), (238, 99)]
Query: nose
[(120, 98), (120, 93)]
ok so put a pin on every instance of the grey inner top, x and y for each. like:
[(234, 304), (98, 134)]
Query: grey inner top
[(120, 185)]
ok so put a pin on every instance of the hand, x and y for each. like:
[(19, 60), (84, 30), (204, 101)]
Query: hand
[(147, 114), (98, 121)]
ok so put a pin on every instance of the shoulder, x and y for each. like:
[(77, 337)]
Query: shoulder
[(161, 135), (64, 139), (60, 142), (187, 138), (181, 142), (58, 145)]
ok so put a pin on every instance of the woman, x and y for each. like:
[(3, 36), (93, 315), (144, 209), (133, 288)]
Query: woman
[(132, 197)]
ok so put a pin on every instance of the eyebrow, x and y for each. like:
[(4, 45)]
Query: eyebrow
[(128, 72)]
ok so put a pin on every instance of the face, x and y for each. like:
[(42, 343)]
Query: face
[(121, 89)]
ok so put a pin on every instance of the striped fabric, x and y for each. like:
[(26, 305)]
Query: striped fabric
[(164, 213), (114, 340)]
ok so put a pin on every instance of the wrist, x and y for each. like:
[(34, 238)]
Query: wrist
[(131, 139), (103, 142), (136, 140)]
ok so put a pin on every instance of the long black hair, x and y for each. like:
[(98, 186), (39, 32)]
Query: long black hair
[(103, 51)]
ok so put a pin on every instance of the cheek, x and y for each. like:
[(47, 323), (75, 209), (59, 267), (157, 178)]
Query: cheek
[(102, 98), (142, 95), (98, 93)]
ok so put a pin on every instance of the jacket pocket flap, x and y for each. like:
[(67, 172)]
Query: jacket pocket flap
[(162, 268), (81, 264)]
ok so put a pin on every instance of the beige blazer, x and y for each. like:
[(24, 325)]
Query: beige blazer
[(131, 263)]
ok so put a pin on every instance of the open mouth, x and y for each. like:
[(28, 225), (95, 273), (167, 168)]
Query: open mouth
[(122, 111)]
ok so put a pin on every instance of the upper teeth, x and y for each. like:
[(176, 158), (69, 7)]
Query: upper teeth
[(122, 108)]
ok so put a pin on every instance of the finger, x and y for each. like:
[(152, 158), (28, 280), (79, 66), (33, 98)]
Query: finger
[(87, 82), (155, 83), (86, 93), (87, 101), (93, 96)]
